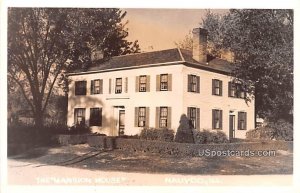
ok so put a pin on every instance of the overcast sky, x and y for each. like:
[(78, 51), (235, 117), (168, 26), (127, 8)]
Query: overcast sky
[(158, 29)]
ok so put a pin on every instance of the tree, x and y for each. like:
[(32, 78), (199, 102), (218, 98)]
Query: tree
[(262, 44), (44, 41)]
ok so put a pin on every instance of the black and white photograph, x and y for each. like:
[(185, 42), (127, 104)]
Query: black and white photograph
[(151, 97)]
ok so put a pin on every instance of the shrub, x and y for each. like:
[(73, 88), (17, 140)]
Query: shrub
[(279, 130), (184, 132), (157, 134), (205, 136)]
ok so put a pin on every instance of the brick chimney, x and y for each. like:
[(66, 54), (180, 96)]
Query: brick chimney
[(200, 44), (97, 55)]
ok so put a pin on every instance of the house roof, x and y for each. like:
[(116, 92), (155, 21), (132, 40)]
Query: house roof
[(148, 59)]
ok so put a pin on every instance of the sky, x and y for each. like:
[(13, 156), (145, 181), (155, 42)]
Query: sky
[(158, 29)]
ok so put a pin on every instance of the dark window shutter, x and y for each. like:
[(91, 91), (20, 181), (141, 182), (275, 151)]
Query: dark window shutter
[(213, 87), (148, 84), (137, 85), (158, 82), (221, 119), (245, 118), (188, 114), (147, 116), (92, 86), (198, 119), (136, 116), (189, 83), (213, 119), (109, 86), (239, 120), (101, 86), (198, 84), (126, 84), (157, 112), (100, 116), (170, 82), (169, 121), (221, 88), (229, 89)]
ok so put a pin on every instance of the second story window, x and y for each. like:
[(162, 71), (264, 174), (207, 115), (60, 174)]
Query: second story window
[(118, 85), (163, 82), (236, 90), (193, 83), (96, 86), (217, 87), (80, 88), (143, 83)]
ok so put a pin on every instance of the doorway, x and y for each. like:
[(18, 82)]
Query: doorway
[(121, 122)]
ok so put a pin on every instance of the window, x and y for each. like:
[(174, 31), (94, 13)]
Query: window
[(216, 119), (242, 121), (236, 90), (80, 88), (96, 86), (143, 83), (163, 117), (79, 116), (163, 82), (217, 87), (193, 83), (193, 116), (142, 117), (95, 117), (118, 85)]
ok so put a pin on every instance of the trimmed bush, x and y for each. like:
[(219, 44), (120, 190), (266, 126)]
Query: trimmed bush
[(279, 130), (157, 134), (205, 136), (184, 132)]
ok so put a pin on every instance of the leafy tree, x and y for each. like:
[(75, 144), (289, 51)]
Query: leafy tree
[(43, 42), (262, 44)]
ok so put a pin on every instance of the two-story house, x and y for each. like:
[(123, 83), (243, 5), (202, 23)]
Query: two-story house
[(153, 89)]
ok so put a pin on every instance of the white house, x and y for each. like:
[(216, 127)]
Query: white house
[(153, 89)]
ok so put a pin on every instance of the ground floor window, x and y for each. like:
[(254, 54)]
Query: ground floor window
[(95, 117), (193, 114), (217, 119), (79, 116), (242, 121), (142, 117), (163, 117)]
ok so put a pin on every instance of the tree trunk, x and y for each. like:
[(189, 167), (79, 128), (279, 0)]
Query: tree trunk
[(38, 126)]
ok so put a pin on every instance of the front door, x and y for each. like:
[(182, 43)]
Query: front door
[(231, 127), (121, 122)]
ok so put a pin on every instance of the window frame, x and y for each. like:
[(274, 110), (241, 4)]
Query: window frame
[(76, 116), (193, 116), (80, 88), (143, 83), (217, 118), (93, 84), (193, 83), (217, 87), (118, 87), (165, 83), (163, 117), (242, 118), (142, 117)]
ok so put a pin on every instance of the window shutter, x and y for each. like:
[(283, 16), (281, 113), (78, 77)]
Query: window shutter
[(229, 88), (75, 116), (221, 88), (147, 116), (109, 86), (245, 114), (158, 82), (169, 121), (92, 86), (137, 85), (157, 117), (148, 83), (198, 119), (188, 113), (189, 83), (136, 116), (100, 118), (170, 82), (213, 87), (221, 119), (126, 84), (213, 118), (101, 86), (239, 120), (84, 88), (198, 84)]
